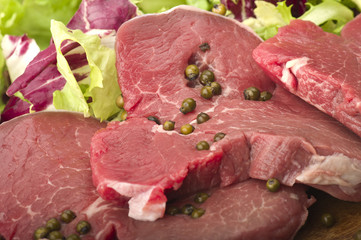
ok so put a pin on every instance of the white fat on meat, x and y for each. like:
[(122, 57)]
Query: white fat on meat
[(140, 209), (290, 70), (336, 169), (139, 206)]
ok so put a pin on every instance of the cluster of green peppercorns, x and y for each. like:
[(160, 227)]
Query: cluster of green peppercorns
[(253, 93), (52, 227), (190, 209), (206, 79)]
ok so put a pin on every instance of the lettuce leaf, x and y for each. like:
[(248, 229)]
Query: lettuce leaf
[(3, 82), (269, 18), (157, 6), (331, 15), (100, 86), (33, 17)]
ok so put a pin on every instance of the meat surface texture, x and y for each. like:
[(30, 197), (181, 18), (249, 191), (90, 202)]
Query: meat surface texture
[(44, 162), (284, 137), (45, 169), (321, 68)]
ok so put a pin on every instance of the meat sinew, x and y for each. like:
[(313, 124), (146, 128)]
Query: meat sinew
[(283, 137), (321, 68), (45, 169)]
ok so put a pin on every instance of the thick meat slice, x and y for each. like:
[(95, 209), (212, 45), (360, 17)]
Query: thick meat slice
[(44, 165), (45, 169), (242, 211), (283, 137), (321, 68)]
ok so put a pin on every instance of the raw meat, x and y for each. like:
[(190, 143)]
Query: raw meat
[(351, 31), (321, 68), (45, 169), (283, 137), (242, 211)]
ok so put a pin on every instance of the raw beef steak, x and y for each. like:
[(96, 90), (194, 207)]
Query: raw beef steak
[(352, 32), (321, 68), (282, 137), (45, 169)]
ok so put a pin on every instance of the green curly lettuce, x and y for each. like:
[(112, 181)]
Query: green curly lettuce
[(33, 17), (100, 86), (331, 15)]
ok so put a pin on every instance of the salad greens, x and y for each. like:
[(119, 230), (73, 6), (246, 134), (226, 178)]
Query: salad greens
[(77, 71), (3, 81), (157, 6), (269, 18), (101, 84), (331, 15), (33, 17)]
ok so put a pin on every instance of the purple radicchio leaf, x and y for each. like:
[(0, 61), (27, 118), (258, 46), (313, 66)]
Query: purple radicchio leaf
[(18, 52), (41, 77), (245, 9), (240, 9), (102, 14), (37, 84)]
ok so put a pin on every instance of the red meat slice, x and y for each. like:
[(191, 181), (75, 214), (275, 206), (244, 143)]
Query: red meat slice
[(321, 68), (45, 169), (351, 31), (284, 137)]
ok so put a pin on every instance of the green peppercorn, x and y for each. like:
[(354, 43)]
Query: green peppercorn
[(41, 232), (202, 145), (202, 118), (327, 220), (187, 209), (83, 227), (219, 136), (251, 93), (219, 9), (67, 216), (55, 235), (264, 96), (188, 105), (154, 119), (172, 210), (198, 212), (186, 129), (357, 235), (206, 92), (201, 197), (204, 47), (119, 101), (273, 185), (206, 78), (191, 72), (73, 237), (216, 88), (168, 125), (53, 224)]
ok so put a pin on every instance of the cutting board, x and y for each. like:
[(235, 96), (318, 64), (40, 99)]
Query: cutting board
[(347, 217)]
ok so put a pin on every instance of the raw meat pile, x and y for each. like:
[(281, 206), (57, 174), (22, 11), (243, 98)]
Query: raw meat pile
[(283, 138), (45, 169), (51, 162)]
